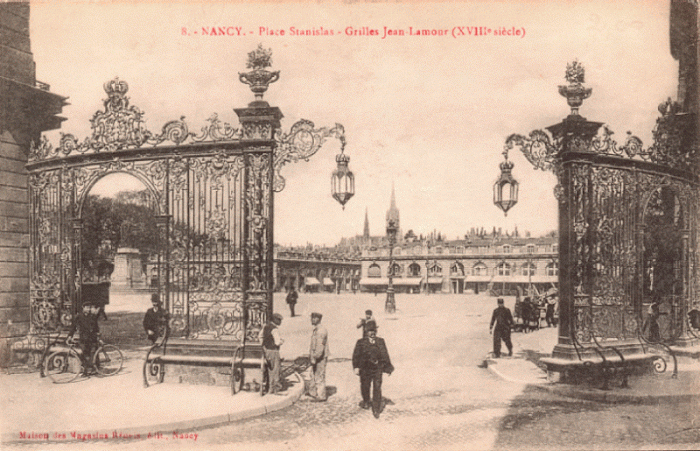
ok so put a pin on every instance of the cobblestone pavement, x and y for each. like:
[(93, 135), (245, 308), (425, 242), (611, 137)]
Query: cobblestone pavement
[(439, 397)]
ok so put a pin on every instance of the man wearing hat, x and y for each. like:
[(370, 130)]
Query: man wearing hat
[(503, 320), (89, 332), (365, 321), (155, 321), (318, 354), (271, 342), (369, 360)]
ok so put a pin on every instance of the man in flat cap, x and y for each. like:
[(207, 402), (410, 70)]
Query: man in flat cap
[(369, 360), (271, 342), (318, 354)]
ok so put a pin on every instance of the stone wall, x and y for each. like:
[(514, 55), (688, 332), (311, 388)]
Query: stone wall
[(25, 111)]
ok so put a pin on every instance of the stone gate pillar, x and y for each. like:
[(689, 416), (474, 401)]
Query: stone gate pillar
[(27, 109)]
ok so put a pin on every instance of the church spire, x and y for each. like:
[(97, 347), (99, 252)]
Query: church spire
[(365, 233), (393, 212)]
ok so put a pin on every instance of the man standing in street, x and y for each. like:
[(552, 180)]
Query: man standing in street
[(318, 354), (271, 342), (365, 321), (155, 321), (292, 297), (503, 320), (369, 360)]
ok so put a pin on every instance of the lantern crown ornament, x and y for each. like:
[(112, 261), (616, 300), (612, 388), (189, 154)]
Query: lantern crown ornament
[(505, 190), (342, 179)]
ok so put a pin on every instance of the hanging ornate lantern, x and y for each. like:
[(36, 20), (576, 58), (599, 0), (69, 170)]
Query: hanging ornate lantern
[(505, 190), (342, 180)]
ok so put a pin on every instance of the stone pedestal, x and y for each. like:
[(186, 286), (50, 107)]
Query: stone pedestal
[(128, 272)]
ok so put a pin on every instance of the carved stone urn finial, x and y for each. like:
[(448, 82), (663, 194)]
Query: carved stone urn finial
[(259, 78), (575, 92)]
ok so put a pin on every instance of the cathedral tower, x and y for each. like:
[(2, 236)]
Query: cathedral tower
[(365, 233), (392, 214)]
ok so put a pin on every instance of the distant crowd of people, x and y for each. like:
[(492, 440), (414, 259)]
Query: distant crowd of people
[(528, 312)]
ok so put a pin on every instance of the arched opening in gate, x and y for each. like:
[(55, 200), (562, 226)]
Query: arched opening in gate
[(119, 242), (663, 265)]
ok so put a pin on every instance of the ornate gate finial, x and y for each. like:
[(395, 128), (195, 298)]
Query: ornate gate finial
[(259, 78), (575, 92), (116, 94)]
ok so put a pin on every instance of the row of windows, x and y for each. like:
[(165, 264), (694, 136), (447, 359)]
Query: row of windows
[(505, 249), (480, 269)]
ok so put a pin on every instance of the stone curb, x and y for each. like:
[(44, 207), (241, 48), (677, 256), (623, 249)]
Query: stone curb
[(600, 396), (12, 438)]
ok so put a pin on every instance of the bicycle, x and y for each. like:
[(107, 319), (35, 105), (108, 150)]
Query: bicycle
[(66, 364)]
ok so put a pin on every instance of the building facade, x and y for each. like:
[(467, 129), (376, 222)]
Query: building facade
[(27, 109), (312, 269), (499, 264), (316, 270)]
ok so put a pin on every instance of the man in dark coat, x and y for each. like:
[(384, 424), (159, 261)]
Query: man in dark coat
[(369, 360), (271, 342), (292, 297), (89, 334), (155, 321), (551, 306), (503, 320)]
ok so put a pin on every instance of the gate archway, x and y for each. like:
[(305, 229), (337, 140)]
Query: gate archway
[(213, 193)]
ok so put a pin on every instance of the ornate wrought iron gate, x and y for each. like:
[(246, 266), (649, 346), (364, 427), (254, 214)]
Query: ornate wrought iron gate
[(628, 220), (213, 195)]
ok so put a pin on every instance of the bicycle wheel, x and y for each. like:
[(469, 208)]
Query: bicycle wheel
[(63, 366), (237, 371), (108, 360)]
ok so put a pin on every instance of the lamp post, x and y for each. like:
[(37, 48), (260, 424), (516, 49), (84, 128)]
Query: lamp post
[(529, 274), (391, 229), (427, 274)]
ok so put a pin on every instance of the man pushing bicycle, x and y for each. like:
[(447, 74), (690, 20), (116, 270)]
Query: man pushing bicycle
[(89, 332)]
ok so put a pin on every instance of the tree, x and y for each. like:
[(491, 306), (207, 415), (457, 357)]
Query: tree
[(125, 221)]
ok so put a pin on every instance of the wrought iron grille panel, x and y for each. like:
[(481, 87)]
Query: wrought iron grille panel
[(208, 210), (608, 214), (52, 275)]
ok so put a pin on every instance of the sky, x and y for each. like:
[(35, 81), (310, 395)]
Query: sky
[(428, 114)]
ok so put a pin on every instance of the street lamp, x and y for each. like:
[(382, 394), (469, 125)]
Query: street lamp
[(391, 229), (529, 272), (342, 180), (505, 190)]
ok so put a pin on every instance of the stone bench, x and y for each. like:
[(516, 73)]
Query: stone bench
[(211, 353), (603, 363)]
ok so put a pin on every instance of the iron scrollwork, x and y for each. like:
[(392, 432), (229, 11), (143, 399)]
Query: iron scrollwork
[(302, 142), (121, 126)]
